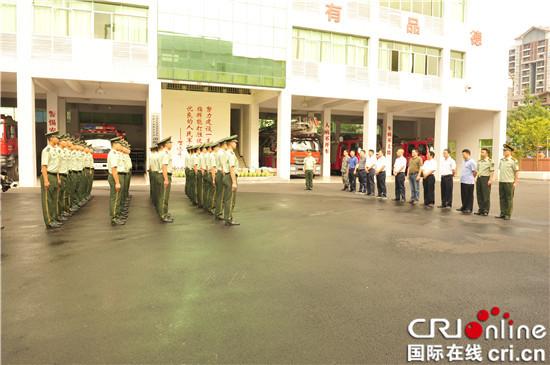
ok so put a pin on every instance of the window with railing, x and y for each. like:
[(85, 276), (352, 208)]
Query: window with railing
[(401, 57), (8, 16), (318, 46), (426, 7), (90, 19), (457, 65)]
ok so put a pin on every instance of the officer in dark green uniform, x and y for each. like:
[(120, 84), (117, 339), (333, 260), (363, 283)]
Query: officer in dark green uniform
[(165, 179), (49, 180), (62, 201), (507, 182), (230, 169), (191, 181), (150, 171), (484, 180), (220, 191), (196, 169), (206, 177)]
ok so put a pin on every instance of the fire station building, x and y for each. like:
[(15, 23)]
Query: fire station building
[(202, 70)]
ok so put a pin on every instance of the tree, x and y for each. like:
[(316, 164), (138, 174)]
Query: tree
[(529, 127)]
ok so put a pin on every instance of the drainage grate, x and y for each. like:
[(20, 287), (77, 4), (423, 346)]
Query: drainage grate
[(206, 89)]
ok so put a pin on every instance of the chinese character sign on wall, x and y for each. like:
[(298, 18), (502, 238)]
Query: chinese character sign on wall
[(476, 38), (326, 138), (52, 121), (155, 127), (333, 12), (389, 141), (413, 26), (198, 126)]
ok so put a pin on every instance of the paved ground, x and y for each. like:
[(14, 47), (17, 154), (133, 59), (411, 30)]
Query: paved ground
[(310, 277)]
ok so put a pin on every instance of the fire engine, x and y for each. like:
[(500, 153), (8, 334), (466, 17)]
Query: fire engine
[(100, 139), (8, 136), (423, 147), (345, 145), (304, 136)]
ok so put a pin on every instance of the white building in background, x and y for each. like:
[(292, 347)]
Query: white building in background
[(201, 70)]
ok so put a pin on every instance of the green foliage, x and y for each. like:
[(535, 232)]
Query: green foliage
[(529, 126)]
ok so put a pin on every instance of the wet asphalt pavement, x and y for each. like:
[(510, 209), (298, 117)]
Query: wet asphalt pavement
[(318, 276)]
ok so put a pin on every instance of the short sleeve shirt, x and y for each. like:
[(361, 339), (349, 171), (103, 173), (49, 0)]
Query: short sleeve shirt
[(429, 165), (352, 162), (362, 163), (400, 162), (371, 161), (485, 166), (220, 155), (112, 161), (51, 159), (309, 162), (508, 168), (447, 166), (467, 172), (381, 162), (415, 163), (64, 160), (230, 161), (167, 160)]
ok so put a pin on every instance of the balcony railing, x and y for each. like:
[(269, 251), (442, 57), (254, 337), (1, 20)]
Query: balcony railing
[(394, 18), (409, 81), (8, 45)]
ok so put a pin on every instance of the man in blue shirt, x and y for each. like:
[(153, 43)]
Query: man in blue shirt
[(467, 181), (352, 173)]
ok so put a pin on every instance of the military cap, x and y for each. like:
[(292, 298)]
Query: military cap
[(64, 137), (165, 140), (116, 139), (214, 144), (233, 138), (309, 150), (52, 134), (506, 146)]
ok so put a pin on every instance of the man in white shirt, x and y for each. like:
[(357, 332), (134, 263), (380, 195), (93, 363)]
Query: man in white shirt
[(381, 175), (428, 182), (371, 172), (399, 167), (448, 170)]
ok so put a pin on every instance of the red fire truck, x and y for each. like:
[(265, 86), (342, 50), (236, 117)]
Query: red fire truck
[(8, 136), (100, 139), (345, 145), (423, 147)]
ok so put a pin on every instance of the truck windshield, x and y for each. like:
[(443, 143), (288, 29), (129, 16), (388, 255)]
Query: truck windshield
[(88, 136), (100, 145), (302, 145)]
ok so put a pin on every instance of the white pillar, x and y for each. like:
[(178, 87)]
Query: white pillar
[(51, 111), (251, 132), (62, 115), (325, 144), (441, 134), (387, 139), (370, 120), (284, 115), (26, 130), (499, 138)]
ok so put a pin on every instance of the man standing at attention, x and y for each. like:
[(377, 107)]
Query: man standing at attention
[(381, 175), (428, 170), (360, 169), (309, 168), (230, 169), (371, 173), (485, 172), (49, 180), (352, 163), (399, 167), (508, 180), (413, 174), (467, 181), (448, 170), (345, 170)]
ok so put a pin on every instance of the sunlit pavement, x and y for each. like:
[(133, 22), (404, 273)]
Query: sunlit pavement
[(318, 276)]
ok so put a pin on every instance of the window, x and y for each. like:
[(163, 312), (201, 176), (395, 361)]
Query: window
[(426, 7), (457, 65), (486, 143), (90, 19), (8, 16), (318, 46), (395, 56), (458, 10)]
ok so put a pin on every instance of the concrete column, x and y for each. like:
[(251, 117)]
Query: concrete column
[(441, 134), (387, 140), (51, 111), (325, 144), (26, 130), (374, 43), (284, 115), (499, 138), (370, 120), (251, 133), (62, 115), (418, 125)]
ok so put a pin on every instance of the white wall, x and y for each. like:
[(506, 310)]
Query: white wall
[(467, 128)]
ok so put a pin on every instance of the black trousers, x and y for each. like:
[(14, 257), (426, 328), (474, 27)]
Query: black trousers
[(352, 180), (400, 186), (429, 189), (381, 183), (362, 181), (447, 190), (467, 195), (370, 182)]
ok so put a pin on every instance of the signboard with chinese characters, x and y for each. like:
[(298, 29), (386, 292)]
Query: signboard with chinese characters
[(326, 138), (413, 26), (155, 127), (475, 38), (333, 12), (389, 142), (52, 121)]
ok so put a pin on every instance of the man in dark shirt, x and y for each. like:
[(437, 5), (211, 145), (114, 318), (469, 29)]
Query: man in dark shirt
[(362, 173)]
